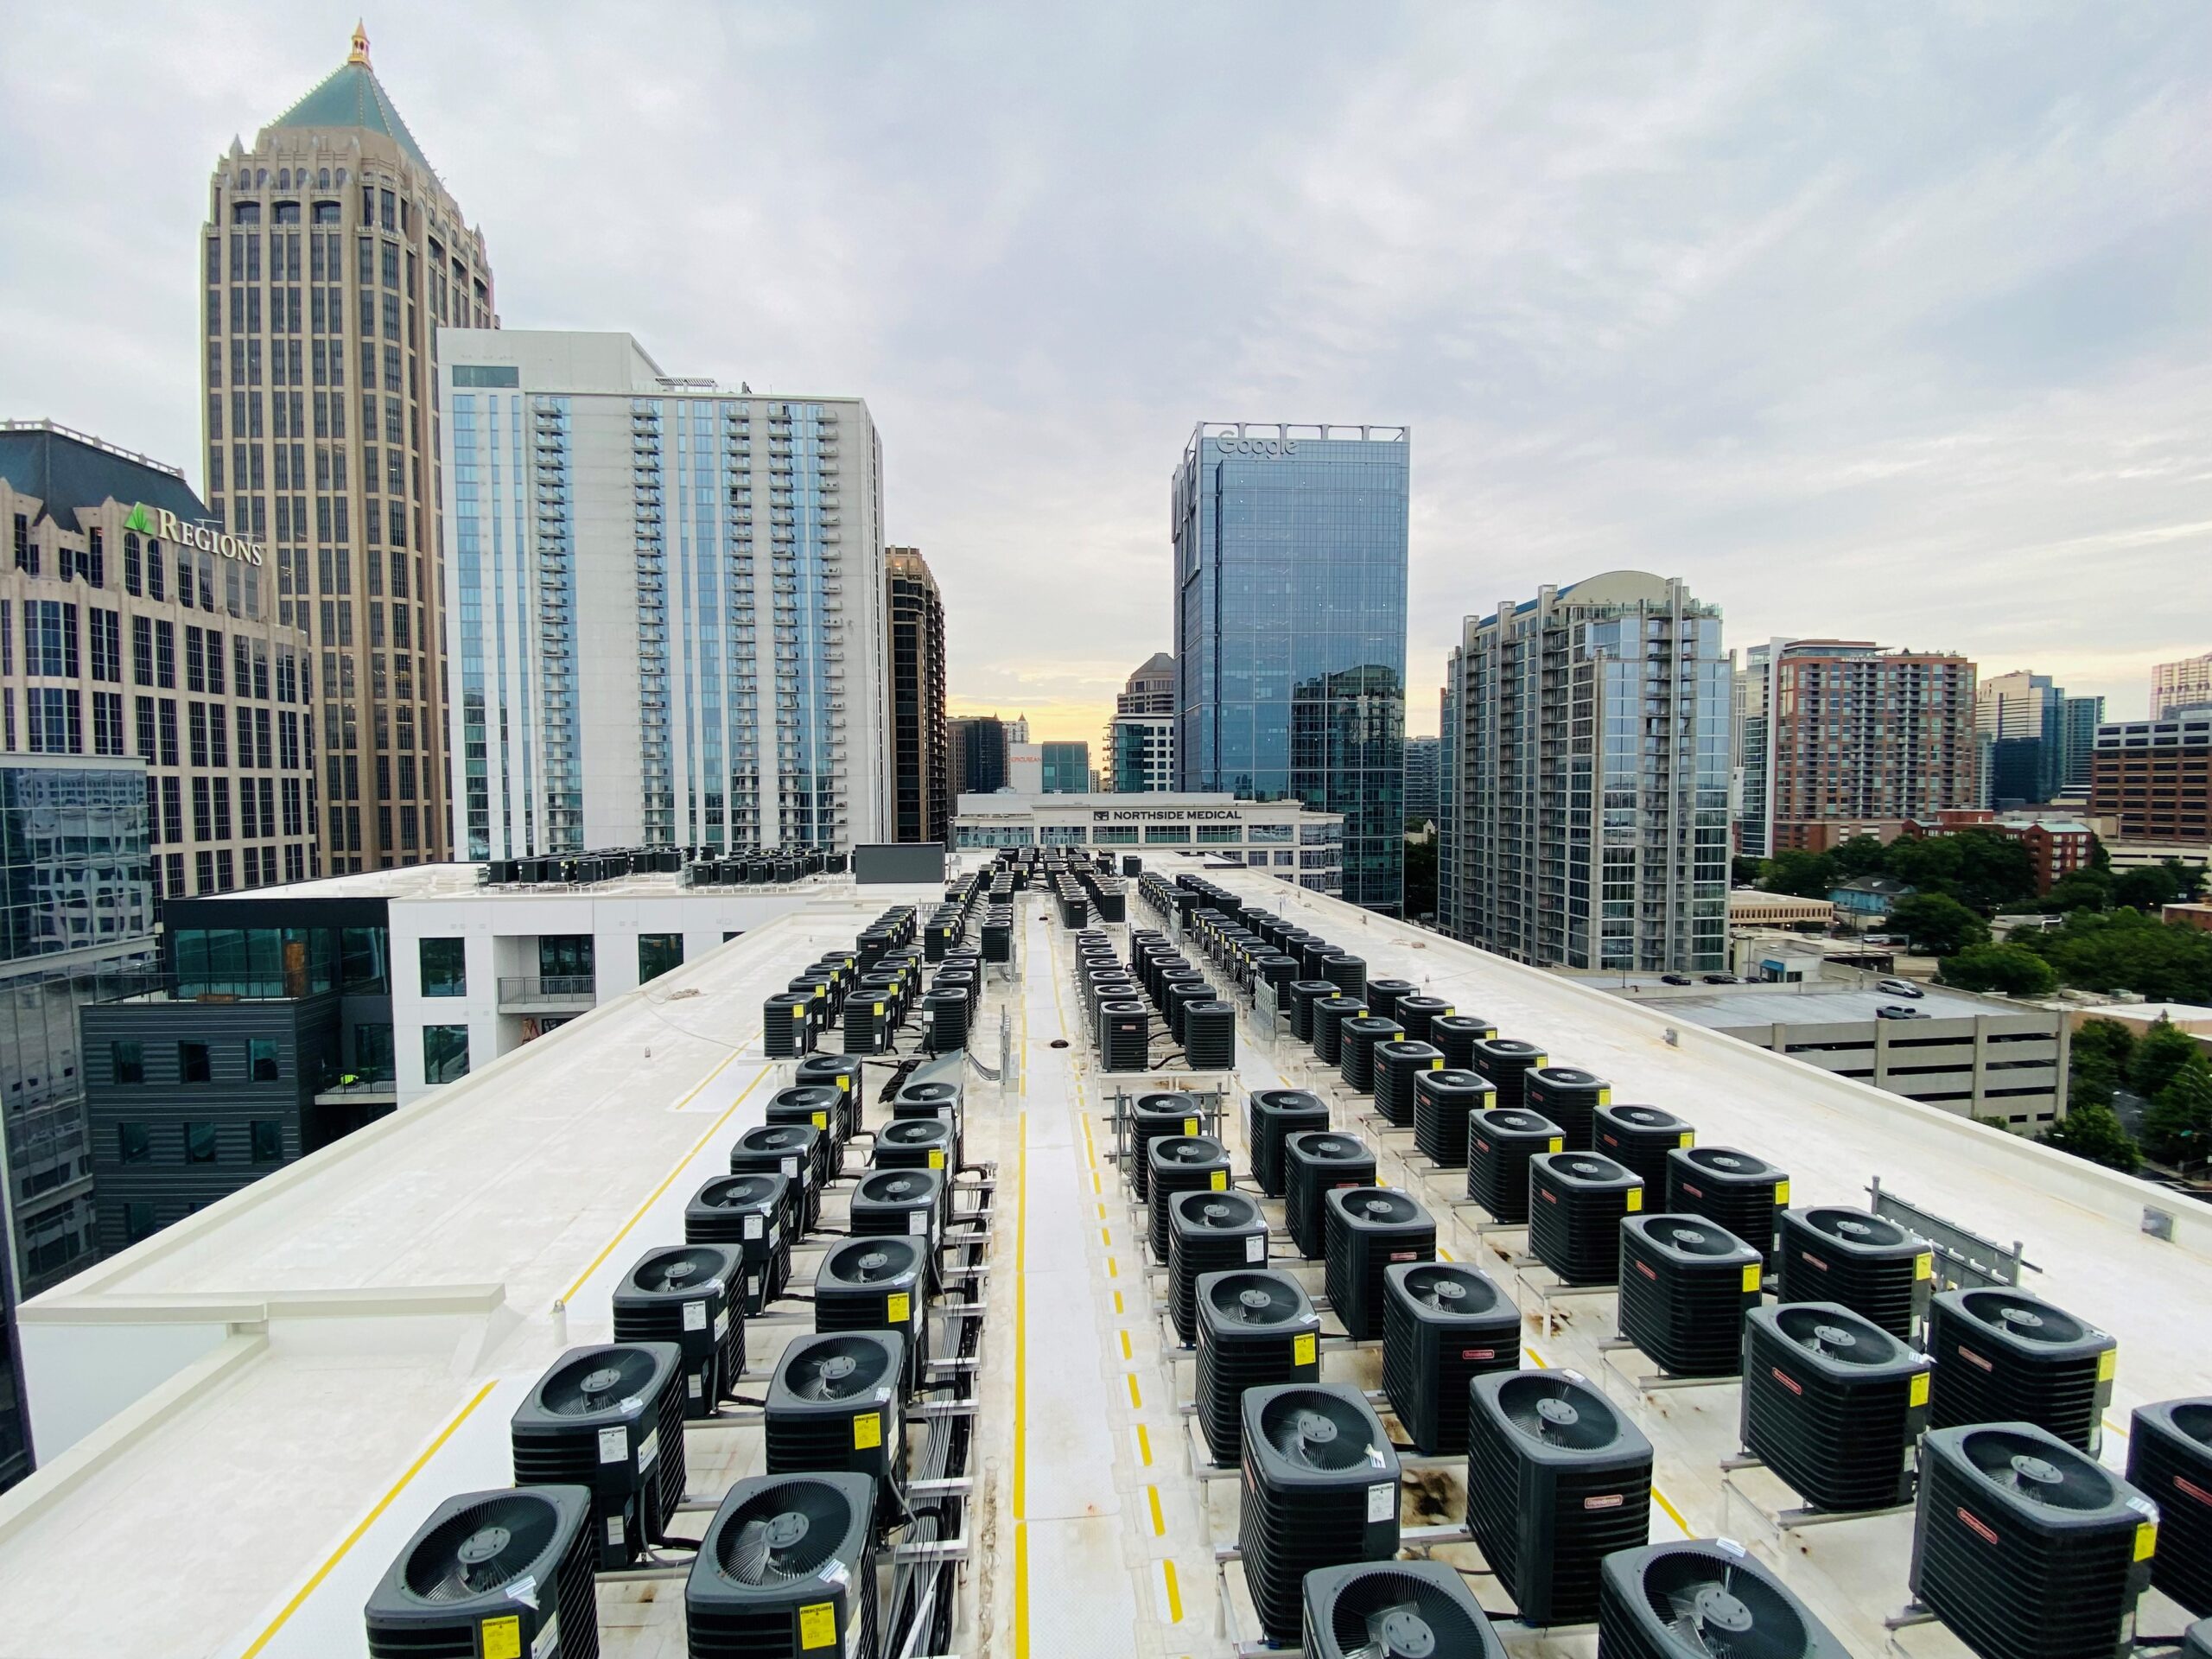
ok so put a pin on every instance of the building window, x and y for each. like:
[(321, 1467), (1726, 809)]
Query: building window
[(199, 1143), (130, 1056), (445, 1053), (261, 1058), (444, 972), (192, 1061), (134, 1144), (1168, 834), (137, 1221), (267, 1141), (658, 953)]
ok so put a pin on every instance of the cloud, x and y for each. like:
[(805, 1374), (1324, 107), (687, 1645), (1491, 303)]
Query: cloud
[(1892, 325)]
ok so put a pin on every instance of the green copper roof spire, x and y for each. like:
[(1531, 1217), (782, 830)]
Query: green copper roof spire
[(352, 96)]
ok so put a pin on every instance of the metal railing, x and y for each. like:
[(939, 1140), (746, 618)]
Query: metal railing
[(549, 988)]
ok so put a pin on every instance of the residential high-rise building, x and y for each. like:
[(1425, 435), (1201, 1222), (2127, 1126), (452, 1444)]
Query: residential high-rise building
[(2024, 716), (1422, 755), (921, 767), (669, 601), (2082, 716), (2184, 684), (145, 631), (331, 255), (1290, 629), (1835, 738), (980, 747), (1585, 768), (1141, 737), (2155, 778)]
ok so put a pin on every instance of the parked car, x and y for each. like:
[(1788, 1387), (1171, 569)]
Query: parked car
[(1673, 979), (1722, 979), (1899, 988), (1898, 1011)]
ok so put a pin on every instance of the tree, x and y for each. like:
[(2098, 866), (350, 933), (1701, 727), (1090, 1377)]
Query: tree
[(1744, 871), (1937, 924), (1861, 855), (2125, 950), (1421, 877), (2100, 1052), (2092, 1132), (2077, 890), (1805, 875), (2178, 1127), (2004, 968), (2149, 886), (2160, 1053)]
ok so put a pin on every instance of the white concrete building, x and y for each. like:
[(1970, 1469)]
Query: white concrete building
[(667, 604)]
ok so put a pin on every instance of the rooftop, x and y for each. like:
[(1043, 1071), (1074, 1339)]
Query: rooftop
[(352, 96), (299, 1373), (1811, 1002), (68, 470)]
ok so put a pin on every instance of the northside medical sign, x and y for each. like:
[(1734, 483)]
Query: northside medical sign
[(164, 525)]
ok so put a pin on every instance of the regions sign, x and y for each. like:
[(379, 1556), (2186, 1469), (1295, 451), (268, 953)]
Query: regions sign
[(164, 525)]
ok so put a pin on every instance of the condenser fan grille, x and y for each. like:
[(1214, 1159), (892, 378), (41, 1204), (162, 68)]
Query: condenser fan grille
[(843, 1369), (1519, 1122), (740, 1192), (905, 1131), (1222, 1211), (1740, 1166), (2023, 1318), (1644, 1118), (1252, 1299), (1331, 1148), (1690, 1238), (1384, 1615), (1587, 1169), (1316, 1431), (478, 1551), (1713, 1606), (878, 1261), (1848, 1342), (781, 1138), (2037, 1471), (1387, 1207), (891, 1188), (786, 1533), (928, 1092), (1558, 1414), (1451, 1290), (598, 1382), (1857, 1229), (678, 1270)]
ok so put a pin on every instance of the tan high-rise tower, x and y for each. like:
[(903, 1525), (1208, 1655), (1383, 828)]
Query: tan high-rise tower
[(332, 253)]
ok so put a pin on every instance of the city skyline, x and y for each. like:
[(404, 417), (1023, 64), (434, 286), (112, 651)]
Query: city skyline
[(1968, 371)]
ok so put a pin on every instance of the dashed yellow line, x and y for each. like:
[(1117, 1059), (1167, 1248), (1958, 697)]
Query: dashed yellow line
[(1128, 1351), (1174, 1592), (1159, 1515), (1113, 1268), (1118, 1309), (1144, 1445), (1106, 1237), (1136, 1397)]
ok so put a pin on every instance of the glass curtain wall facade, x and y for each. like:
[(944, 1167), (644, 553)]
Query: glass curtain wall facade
[(1587, 815), (921, 771), (1290, 624)]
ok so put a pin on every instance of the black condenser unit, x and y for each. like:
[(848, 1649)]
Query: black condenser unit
[(1705, 1598), (1153, 1115), (1743, 1193), (1557, 1480), (1329, 1015), (2026, 1548), (820, 1108), (1396, 1610), (785, 1149), (1358, 1042), (1369, 1229), (1209, 1232), (877, 1284), (1443, 1325), (1833, 1404), (753, 1212), (1414, 1013), (1304, 994), (916, 1143), (1398, 1065), (1685, 1286), (842, 1073), (2003, 1355), (1271, 1115), (1383, 996), (1863, 1261), (1255, 1327), (1576, 1201), (1500, 1143), (786, 1571), (1318, 1160), (1569, 1097), (902, 1201), (834, 1405), (692, 1295), (2170, 1462), (1507, 1061), (1180, 1163), (1640, 1137), (786, 1025), (452, 1589), (1443, 1101), (1457, 1035), (942, 1100), (1319, 1488), (611, 1419)]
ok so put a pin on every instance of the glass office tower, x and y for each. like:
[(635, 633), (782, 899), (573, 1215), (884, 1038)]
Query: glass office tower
[(1290, 625)]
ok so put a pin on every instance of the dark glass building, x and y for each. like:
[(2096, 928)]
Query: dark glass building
[(921, 767), (1290, 628)]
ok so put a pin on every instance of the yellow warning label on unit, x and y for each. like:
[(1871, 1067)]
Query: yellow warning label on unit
[(1751, 1275), (1555, 1144), (822, 1120), (2108, 1362), (1781, 1192), (897, 1306), (1635, 1199), (1304, 1349), (937, 1159), (844, 1083), (1221, 1180), (799, 1013), (1919, 1395), (503, 1637), (1604, 1097), (868, 1431), (879, 1008), (1923, 1265), (1436, 1064), (1446, 1015), (1685, 1139), (817, 1624), (1189, 1126), (2146, 1541)]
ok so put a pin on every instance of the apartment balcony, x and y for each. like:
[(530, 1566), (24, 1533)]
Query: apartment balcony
[(548, 992)]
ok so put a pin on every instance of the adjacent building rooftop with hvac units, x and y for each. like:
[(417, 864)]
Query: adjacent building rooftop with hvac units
[(256, 1408)]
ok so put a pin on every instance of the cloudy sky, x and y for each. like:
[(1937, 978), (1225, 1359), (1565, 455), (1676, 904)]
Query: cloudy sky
[(1880, 321)]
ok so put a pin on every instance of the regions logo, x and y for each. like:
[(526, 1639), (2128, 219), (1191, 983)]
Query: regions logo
[(164, 525)]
